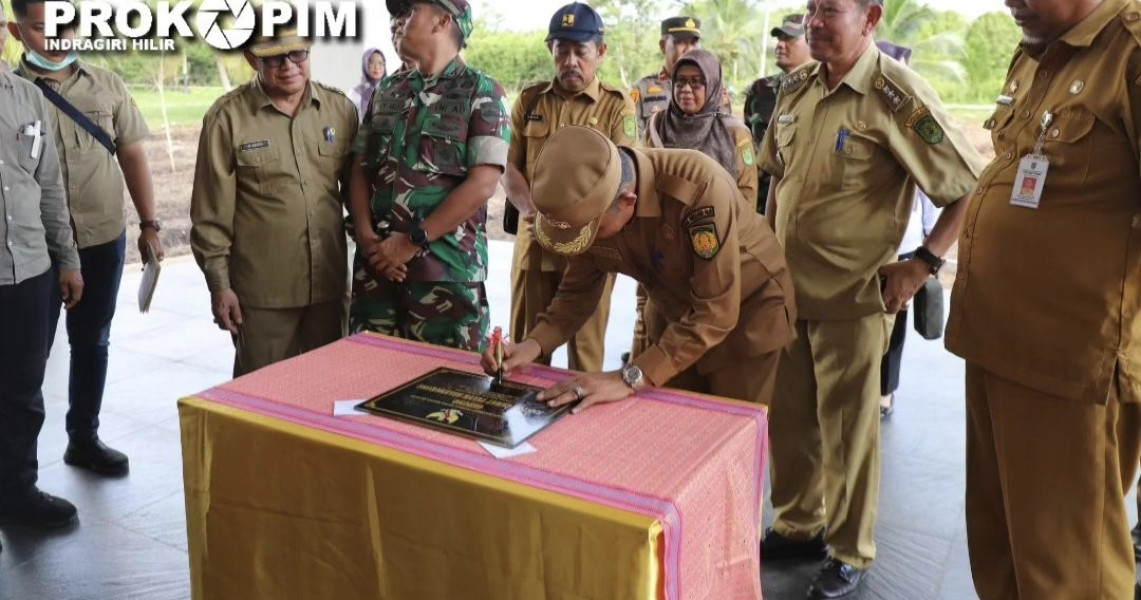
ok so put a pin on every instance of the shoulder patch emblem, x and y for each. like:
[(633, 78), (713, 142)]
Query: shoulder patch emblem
[(705, 241), (889, 93), (703, 213), (924, 124), (635, 95), (629, 126), (747, 156)]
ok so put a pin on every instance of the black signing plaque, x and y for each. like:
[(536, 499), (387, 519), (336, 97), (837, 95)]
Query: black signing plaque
[(462, 403)]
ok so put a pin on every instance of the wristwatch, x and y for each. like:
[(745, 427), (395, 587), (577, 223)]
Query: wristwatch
[(153, 224), (418, 237), (632, 377), (934, 262)]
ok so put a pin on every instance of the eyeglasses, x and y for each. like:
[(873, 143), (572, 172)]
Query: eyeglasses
[(693, 84), (296, 57)]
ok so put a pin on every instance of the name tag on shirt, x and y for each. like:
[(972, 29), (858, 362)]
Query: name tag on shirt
[(1031, 179), (246, 147), (786, 119)]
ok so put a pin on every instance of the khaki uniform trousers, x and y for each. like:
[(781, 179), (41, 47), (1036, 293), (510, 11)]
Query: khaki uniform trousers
[(533, 289), (825, 433), (270, 335), (1046, 484)]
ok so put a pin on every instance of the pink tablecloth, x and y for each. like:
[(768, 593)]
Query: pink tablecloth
[(691, 462)]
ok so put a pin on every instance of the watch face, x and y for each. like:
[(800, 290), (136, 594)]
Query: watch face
[(632, 375)]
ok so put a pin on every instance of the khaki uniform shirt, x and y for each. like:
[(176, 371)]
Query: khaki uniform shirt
[(710, 265), (849, 160), (91, 175), (541, 110), (745, 165), (34, 228), (1051, 297), (266, 210)]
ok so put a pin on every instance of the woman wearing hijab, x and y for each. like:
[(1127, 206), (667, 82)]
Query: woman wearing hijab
[(691, 122), (373, 69)]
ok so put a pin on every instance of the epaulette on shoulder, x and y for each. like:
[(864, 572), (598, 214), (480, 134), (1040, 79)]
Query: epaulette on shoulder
[(1131, 19), (890, 92), (329, 88), (224, 100), (795, 79), (678, 188)]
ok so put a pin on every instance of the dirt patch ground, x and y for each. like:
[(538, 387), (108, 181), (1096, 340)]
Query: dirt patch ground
[(173, 184)]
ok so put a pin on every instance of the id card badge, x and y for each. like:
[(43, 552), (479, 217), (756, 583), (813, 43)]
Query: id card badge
[(1031, 179)]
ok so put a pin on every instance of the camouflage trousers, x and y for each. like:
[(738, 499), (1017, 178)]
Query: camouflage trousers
[(444, 313)]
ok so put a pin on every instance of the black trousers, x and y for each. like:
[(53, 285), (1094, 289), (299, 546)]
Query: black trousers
[(893, 359), (23, 357)]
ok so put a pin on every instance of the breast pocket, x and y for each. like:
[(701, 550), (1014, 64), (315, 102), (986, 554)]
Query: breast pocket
[(259, 170), (104, 121), (535, 133), (24, 153), (443, 147), (854, 162), (785, 134), (998, 121), (1069, 141)]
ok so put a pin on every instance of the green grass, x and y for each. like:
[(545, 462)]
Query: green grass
[(182, 109)]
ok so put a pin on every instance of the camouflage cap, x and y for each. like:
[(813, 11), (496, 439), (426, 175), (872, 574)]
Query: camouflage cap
[(792, 26), (576, 177), (459, 9), (285, 41), (682, 27)]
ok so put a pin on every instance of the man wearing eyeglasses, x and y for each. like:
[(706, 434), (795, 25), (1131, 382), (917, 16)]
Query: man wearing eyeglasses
[(576, 96), (267, 211), (852, 137), (428, 157)]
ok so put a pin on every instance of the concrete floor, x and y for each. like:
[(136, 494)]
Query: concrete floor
[(131, 540)]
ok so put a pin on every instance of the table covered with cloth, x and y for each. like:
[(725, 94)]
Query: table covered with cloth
[(654, 497)]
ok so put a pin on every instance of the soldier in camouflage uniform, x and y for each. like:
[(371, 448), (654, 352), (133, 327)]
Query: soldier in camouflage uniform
[(652, 93), (761, 97), (427, 159)]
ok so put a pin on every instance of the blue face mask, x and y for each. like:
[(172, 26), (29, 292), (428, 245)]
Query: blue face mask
[(44, 64)]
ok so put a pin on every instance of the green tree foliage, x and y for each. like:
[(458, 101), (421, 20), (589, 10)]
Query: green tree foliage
[(513, 58), (991, 41)]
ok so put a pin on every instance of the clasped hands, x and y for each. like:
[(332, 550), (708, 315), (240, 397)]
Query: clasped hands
[(587, 389), (388, 256)]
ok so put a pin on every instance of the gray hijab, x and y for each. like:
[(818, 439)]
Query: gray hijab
[(708, 129)]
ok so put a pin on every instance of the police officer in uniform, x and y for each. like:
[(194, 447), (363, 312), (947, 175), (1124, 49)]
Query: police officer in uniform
[(576, 96), (266, 210), (719, 290), (852, 137), (652, 93), (1046, 310), (761, 97), (427, 160)]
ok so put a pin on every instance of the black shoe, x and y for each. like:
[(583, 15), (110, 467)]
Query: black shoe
[(37, 509), (836, 579), (777, 547), (1137, 542), (93, 455)]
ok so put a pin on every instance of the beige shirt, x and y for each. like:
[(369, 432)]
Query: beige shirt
[(710, 265), (34, 228), (843, 206), (541, 110), (94, 181), (1051, 297), (266, 210)]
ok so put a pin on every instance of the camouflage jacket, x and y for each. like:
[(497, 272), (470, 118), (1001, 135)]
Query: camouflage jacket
[(760, 101), (420, 138)]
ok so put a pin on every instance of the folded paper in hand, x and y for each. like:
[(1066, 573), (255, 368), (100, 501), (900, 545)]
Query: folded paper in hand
[(151, 268)]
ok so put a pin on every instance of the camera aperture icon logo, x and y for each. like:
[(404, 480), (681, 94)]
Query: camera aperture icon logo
[(214, 14)]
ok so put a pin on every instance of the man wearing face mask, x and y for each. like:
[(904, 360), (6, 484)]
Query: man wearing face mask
[(761, 97), (266, 207), (852, 137), (575, 96), (99, 132)]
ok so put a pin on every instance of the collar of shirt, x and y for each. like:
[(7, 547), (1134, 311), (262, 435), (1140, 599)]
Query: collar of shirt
[(27, 72), (648, 205), (1083, 34), (259, 99), (455, 68), (860, 78), (592, 91), (664, 75)]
